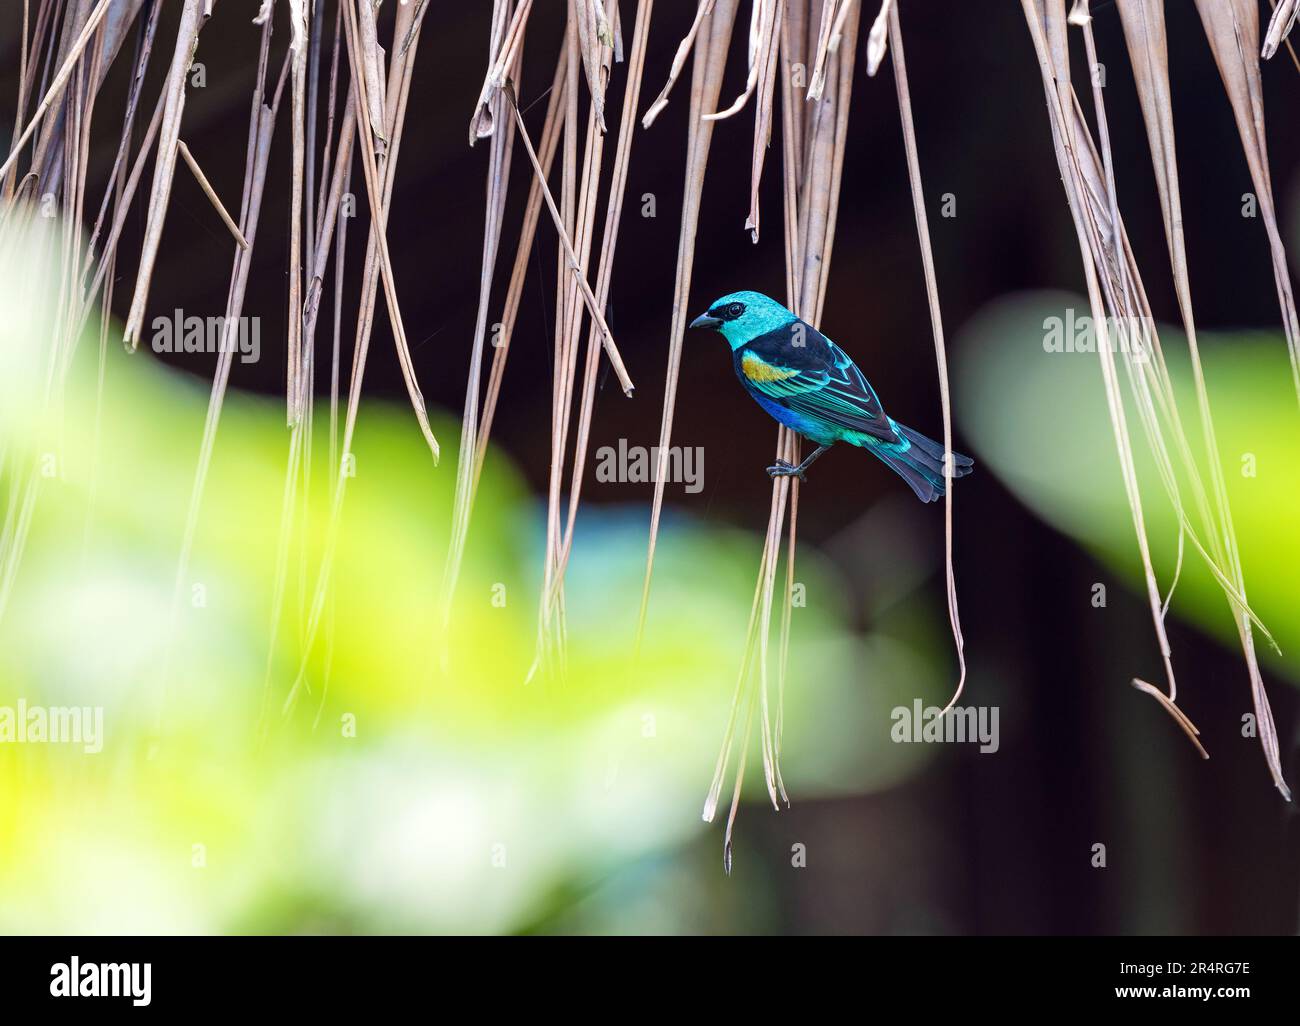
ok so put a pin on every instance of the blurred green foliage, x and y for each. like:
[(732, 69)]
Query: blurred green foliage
[(1039, 421), (420, 784)]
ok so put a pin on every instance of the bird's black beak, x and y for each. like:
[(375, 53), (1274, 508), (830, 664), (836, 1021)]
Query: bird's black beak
[(706, 321)]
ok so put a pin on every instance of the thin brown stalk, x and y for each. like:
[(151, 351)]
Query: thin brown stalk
[(262, 127), (398, 92), (714, 37), (60, 80), (575, 267), (1232, 27), (294, 383), (936, 323), (372, 67), (1279, 26), (1176, 714), (1053, 60), (112, 190), (810, 230), (8, 177), (567, 363), (482, 123), (498, 176), (762, 33), (767, 60), (193, 17), (679, 62), (211, 193), (593, 34), (613, 214), (379, 216), (547, 146)]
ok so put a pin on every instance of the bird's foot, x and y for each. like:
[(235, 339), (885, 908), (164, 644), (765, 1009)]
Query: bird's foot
[(783, 469)]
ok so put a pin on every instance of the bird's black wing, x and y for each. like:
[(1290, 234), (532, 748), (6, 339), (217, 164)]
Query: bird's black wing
[(804, 371)]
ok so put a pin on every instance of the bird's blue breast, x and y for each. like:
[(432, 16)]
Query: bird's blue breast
[(819, 431)]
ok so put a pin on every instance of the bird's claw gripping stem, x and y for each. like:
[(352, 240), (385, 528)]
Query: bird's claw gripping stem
[(783, 469)]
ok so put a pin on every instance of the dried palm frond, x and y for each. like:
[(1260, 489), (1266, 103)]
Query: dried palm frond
[(65, 55), (592, 42), (194, 16), (811, 191), (1232, 27), (875, 51), (814, 136), (710, 36), (379, 169), (1279, 26), (1115, 290)]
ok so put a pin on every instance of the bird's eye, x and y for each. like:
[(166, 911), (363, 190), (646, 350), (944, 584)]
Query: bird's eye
[(734, 310)]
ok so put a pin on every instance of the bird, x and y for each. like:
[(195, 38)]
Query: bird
[(809, 384)]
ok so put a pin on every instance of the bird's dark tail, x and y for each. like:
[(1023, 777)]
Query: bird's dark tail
[(921, 463)]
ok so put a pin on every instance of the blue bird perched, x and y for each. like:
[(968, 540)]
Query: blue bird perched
[(810, 385)]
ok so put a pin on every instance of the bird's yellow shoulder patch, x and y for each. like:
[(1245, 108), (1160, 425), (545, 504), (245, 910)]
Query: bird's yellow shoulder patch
[(759, 370)]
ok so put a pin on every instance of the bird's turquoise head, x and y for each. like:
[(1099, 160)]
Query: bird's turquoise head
[(743, 316)]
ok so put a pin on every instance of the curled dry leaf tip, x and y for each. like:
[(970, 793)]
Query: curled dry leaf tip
[(1179, 717), (1279, 26), (877, 39)]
